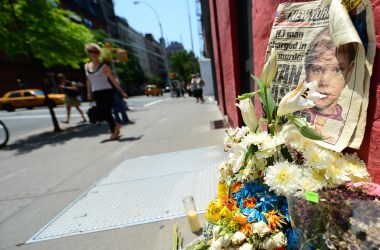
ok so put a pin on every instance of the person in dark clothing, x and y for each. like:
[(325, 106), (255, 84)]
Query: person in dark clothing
[(71, 94)]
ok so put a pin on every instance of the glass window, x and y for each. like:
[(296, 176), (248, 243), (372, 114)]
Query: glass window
[(27, 93), (14, 95), (38, 92)]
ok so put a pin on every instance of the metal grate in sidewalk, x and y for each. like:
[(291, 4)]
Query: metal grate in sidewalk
[(141, 190), (218, 124)]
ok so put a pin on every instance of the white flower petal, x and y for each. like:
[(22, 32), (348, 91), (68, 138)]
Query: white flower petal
[(302, 97), (248, 113)]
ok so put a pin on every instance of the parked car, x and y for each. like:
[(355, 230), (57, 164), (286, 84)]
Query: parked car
[(152, 89), (28, 98)]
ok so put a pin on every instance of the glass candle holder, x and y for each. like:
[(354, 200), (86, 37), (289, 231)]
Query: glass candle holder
[(191, 214)]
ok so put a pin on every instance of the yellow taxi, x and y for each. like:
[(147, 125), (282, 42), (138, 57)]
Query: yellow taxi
[(28, 98), (152, 90)]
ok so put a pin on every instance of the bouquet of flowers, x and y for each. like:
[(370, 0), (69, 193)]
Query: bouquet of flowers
[(270, 159)]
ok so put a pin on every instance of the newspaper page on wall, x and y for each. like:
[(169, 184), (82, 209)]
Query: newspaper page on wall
[(332, 42)]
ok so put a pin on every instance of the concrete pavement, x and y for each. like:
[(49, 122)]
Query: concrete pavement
[(44, 173)]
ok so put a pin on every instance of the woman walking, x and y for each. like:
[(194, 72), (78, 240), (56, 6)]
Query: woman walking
[(99, 88)]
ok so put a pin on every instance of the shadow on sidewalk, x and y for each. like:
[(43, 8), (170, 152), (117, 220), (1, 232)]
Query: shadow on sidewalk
[(27, 145)]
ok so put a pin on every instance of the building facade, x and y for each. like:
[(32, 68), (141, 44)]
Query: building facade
[(137, 45), (174, 47), (155, 57), (94, 14)]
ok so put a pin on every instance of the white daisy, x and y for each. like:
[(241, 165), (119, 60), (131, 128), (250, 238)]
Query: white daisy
[(318, 177), (283, 178), (318, 157), (356, 167), (307, 183), (337, 173), (256, 138)]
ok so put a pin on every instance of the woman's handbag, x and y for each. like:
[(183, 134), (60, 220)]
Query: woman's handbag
[(93, 114)]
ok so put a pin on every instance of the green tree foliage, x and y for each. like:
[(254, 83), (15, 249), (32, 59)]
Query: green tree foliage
[(184, 64), (152, 79), (130, 73), (99, 35), (40, 30)]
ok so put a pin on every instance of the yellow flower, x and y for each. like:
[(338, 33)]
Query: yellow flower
[(226, 213), (222, 190), (213, 211)]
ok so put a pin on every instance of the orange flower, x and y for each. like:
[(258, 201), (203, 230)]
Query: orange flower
[(230, 203), (274, 219), (250, 202), (247, 230), (240, 218), (236, 187)]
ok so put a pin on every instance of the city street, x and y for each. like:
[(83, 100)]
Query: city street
[(42, 172), (24, 122)]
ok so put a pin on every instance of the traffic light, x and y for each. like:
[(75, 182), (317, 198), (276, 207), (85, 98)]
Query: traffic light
[(122, 55)]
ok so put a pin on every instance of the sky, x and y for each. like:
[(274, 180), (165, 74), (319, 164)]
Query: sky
[(173, 15)]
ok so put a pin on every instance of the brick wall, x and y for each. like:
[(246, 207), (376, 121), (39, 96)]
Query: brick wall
[(223, 23), (370, 148)]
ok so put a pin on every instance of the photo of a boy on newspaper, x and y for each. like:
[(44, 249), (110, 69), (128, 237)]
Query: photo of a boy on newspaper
[(331, 67), (332, 43)]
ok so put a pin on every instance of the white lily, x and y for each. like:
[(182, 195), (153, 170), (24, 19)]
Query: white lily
[(248, 113), (302, 97), (270, 69)]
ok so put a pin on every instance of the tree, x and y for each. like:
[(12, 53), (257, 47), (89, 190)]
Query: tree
[(184, 64), (44, 33), (40, 30), (131, 74)]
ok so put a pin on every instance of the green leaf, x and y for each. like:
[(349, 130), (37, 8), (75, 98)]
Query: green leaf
[(260, 88), (310, 133), (246, 96), (175, 236), (304, 128), (271, 103), (299, 122), (286, 154), (263, 120), (251, 151)]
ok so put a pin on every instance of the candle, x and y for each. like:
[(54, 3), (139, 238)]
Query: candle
[(191, 213), (192, 217)]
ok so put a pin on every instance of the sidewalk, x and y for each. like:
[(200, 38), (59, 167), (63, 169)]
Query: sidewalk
[(161, 129)]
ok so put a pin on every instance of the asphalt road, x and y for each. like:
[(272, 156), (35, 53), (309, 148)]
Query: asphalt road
[(23, 122), (41, 172)]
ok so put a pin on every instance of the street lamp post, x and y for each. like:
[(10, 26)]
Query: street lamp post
[(162, 43)]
